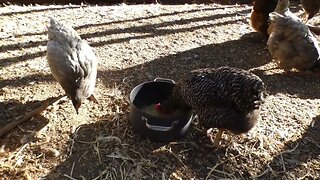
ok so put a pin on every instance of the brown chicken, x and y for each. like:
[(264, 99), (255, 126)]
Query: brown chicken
[(291, 43), (225, 98), (260, 14), (311, 8), (72, 63)]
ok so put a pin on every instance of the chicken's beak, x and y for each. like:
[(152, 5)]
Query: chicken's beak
[(76, 105), (77, 108)]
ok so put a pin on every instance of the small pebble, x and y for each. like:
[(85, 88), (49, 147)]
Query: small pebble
[(52, 152)]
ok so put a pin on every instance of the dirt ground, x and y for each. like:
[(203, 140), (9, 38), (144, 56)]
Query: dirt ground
[(138, 43)]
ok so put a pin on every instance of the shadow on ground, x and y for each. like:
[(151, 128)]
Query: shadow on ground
[(296, 157), (12, 110), (303, 85), (116, 152), (89, 25), (150, 30), (251, 52)]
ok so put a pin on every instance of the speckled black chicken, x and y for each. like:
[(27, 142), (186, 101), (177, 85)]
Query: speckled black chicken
[(225, 98), (291, 43), (311, 8), (259, 17), (72, 63)]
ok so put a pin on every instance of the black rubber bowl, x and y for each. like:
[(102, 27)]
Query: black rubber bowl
[(160, 129)]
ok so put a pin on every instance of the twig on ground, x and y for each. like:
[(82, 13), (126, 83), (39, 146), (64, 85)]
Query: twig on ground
[(29, 115), (72, 168), (105, 139), (312, 141), (96, 148), (124, 81), (263, 173), (283, 165), (18, 154), (163, 176), (213, 169), (82, 156), (170, 151), (75, 134), (82, 177), (120, 157), (20, 150), (69, 177), (304, 177), (274, 173), (290, 150)]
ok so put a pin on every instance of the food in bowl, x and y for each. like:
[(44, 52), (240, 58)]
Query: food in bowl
[(148, 121), (153, 110)]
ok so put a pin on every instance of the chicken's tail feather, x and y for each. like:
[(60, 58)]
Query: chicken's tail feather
[(54, 23), (58, 31)]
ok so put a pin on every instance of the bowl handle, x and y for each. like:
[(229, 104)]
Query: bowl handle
[(158, 128), (164, 80)]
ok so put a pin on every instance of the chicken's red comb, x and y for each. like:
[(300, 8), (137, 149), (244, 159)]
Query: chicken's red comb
[(158, 106)]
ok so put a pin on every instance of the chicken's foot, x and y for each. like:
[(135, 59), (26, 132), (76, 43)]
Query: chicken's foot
[(305, 18), (94, 99), (216, 141)]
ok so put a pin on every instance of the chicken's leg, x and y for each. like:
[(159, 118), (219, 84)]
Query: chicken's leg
[(216, 141), (305, 18)]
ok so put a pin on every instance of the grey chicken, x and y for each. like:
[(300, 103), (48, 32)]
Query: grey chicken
[(291, 43), (225, 98), (283, 9), (72, 63), (311, 8)]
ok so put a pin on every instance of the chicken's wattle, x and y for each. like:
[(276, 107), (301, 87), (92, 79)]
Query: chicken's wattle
[(158, 107)]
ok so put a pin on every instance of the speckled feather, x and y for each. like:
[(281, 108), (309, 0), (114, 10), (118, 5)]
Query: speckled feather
[(225, 97), (71, 60)]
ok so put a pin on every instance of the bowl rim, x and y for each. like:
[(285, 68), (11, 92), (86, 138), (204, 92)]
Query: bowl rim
[(177, 125), (156, 80), (164, 80)]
